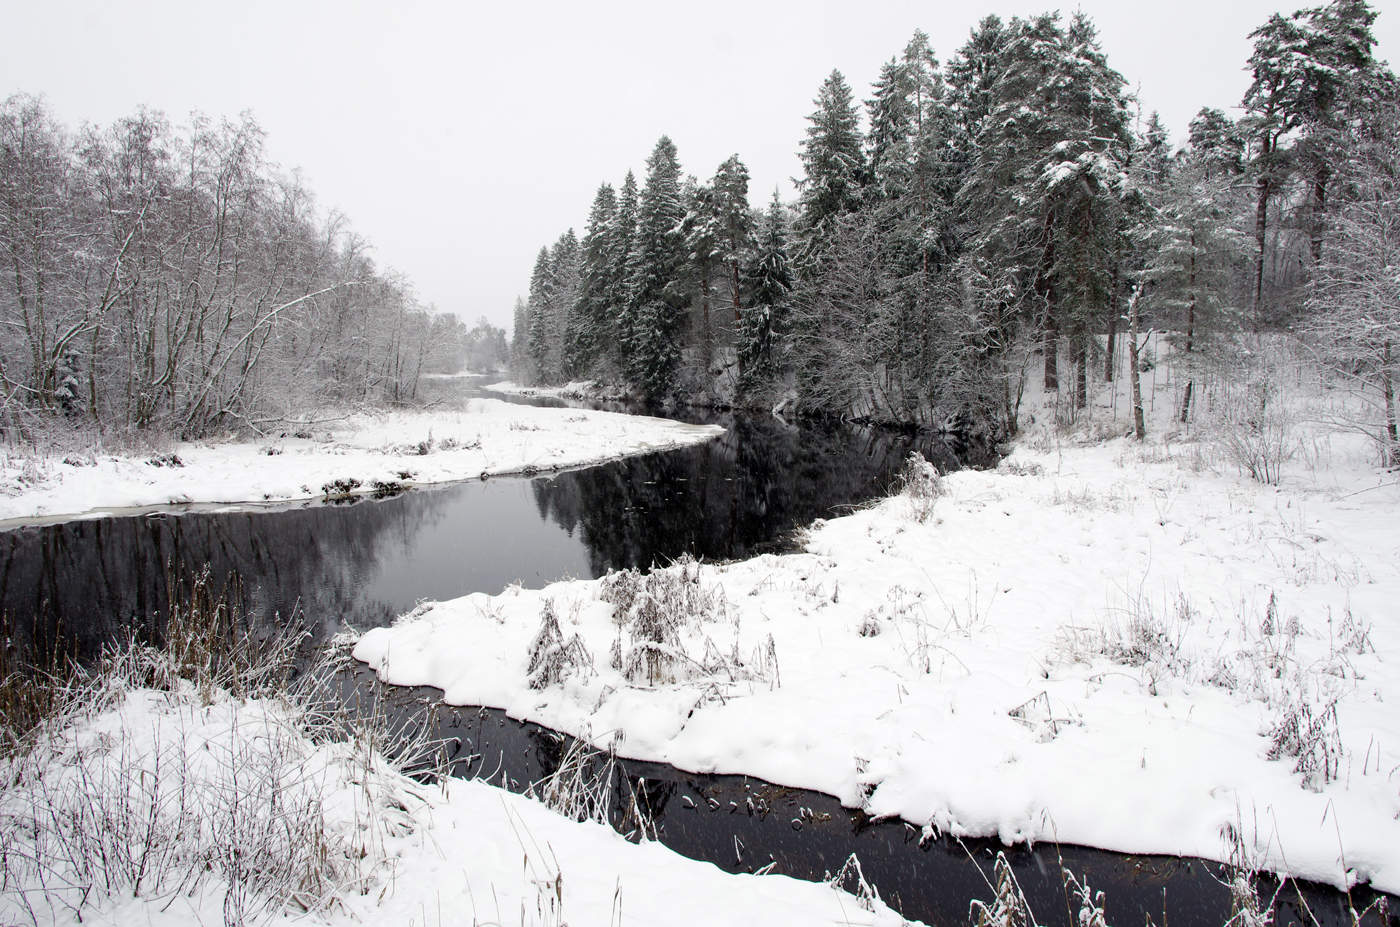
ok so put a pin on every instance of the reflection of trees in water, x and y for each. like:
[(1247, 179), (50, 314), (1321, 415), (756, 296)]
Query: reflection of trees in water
[(94, 577), (728, 498), (723, 499)]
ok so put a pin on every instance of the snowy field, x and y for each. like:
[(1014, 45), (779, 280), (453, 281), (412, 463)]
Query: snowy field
[(135, 810), (377, 451), (1135, 647)]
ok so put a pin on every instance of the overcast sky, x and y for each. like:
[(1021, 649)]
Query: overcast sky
[(460, 137)]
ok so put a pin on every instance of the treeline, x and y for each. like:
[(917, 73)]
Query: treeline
[(973, 218), (173, 281)]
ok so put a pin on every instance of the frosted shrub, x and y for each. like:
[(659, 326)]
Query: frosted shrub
[(921, 485), (1255, 430), (1091, 913), (1311, 734), (850, 878), (583, 787), (653, 610), (553, 659), (1008, 907)]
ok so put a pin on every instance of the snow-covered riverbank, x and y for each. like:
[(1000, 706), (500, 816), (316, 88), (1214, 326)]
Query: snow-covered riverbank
[(178, 807), (378, 452), (1134, 647)]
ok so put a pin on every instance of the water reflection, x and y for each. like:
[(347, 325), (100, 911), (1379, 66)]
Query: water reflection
[(363, 564)]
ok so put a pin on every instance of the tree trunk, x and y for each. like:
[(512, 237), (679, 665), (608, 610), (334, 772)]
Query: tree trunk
[(1261, 226), (1111, 347), (706, 342), (1134, 377), (1051, 335), (1081, 368), (1319, 209), (734, 290), (1388, 388), (1190, 329)]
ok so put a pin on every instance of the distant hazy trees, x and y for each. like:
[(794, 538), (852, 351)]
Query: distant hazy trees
[(172, 280)]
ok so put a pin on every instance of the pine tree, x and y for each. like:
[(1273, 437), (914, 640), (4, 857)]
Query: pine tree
[(733, 219), (564, 278), (1086, 179), (657, 258), (761, 325), (541, 323), (591, 319), (1353, 298), (832, 162), (1216, 140), (1306, 68)]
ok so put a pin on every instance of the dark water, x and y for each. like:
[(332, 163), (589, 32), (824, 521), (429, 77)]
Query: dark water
[(362, 564), (743, 824)]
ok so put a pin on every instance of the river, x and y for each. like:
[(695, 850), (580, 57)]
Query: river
[(360, 565)]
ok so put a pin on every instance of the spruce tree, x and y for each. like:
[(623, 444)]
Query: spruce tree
[(699, 231), (591, 320), (619, 288), (520, 343), (734, 227), (832, 161), (657, 260), (564, 277), (770, 281), (1216, 140), (540, 320)]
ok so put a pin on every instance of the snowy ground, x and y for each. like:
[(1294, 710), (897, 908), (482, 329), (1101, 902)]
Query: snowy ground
[(486, 437), (169, 808), (1135, 647), (574, 389)]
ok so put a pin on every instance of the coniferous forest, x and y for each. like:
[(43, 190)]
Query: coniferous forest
[(1011, 211)]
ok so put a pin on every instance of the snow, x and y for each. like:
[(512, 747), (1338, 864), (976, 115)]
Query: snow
[(1099, 642), (465, 853), (485, 437), (570, 390)]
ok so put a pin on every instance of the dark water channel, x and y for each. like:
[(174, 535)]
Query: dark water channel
[(742, 824), (361, 565)]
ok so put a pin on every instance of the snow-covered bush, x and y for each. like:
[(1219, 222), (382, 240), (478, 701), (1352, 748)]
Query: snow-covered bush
[(553, 659), (1255, 428), (921, 485), (1310, 733), (653, 610), (1008, 907), (583, 787)]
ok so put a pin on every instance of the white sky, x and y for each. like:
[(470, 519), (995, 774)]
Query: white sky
[(460, 137)]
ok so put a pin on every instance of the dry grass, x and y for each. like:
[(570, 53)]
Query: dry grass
[(197, 769)]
